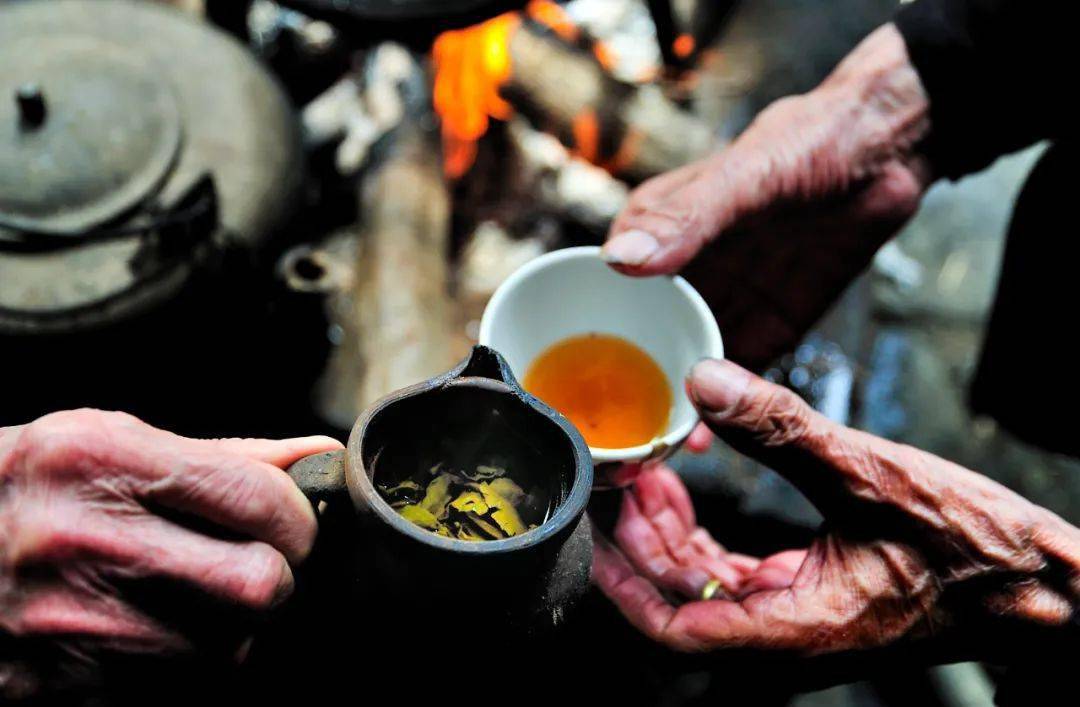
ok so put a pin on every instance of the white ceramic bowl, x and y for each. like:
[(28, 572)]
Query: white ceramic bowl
[(572, 291)]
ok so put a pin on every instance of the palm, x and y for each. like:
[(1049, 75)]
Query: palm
[(667, 561), (658, 531)]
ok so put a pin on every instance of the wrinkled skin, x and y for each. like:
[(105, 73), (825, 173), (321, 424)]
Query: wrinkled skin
[(914, 548), (119, 538), (783, 219)]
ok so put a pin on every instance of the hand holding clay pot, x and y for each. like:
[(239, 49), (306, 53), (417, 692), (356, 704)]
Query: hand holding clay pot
[(111, 540)]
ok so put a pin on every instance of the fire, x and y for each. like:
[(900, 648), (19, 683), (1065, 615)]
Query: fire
[(586, 130), (554, 17), (472, 64)]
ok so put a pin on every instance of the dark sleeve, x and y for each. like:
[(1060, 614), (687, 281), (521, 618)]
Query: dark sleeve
[(1000, 74)]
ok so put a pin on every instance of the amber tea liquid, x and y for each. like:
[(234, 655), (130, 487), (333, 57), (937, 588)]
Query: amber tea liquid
[(610, 389)]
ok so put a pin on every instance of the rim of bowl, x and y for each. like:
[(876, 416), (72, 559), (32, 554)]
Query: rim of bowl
[(714, 341)]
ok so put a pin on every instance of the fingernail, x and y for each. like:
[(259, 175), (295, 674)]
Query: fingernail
[(657, 567), (717, 386), (630, 248)]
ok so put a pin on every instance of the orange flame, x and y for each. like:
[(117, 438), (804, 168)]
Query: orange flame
[(586, 130), (550, 14), (472, 64)]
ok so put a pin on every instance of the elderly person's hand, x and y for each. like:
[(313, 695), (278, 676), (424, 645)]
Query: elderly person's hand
[(795, 208), (119, 537), (914, 549)]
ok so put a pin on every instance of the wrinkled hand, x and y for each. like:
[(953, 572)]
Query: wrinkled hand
[(794, 209), (914, 547), (116, 535)]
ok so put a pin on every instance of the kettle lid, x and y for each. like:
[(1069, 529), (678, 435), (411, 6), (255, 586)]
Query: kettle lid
[(87, 131)]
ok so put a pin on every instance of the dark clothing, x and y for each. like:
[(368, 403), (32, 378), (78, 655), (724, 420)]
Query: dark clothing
[(998, 75), (1027, 379)]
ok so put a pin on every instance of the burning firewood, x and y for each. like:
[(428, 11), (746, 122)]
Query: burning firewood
[(539, 64), (632, 131)]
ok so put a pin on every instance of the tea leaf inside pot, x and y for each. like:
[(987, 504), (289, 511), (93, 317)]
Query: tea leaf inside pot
[(478, 504)]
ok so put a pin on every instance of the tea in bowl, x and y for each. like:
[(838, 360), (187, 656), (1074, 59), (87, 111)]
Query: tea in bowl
[(609, 352)]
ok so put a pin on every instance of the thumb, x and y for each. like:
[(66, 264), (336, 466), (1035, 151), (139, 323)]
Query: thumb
[(774, 426)]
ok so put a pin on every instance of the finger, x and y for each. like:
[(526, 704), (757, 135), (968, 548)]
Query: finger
[(711, 555), (641, 542), (663, 185), (249, 574), (703, 541), (633, 595), (249, 497), (277, 452), (661, 232), (8, 437), (1032, 602), (700, 440), (666, 503), (764, 580), (833, 465), (135, 460), (651, 492), (53, 610), (688, 582), (765, 620), (656, 189), (775, 572), (788, 560), (664, 564), (743, 563), (669, 522), (677, 495), (718, 569), (624, 476)]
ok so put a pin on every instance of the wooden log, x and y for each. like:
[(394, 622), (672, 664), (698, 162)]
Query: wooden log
[(633, 131), (403, 301), (397, 319)]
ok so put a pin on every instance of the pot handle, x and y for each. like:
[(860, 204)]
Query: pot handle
[(320, 476)]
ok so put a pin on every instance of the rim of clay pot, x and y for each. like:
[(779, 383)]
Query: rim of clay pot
[(363, 492)]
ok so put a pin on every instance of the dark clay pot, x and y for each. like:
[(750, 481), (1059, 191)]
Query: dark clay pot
[(474, 414)]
